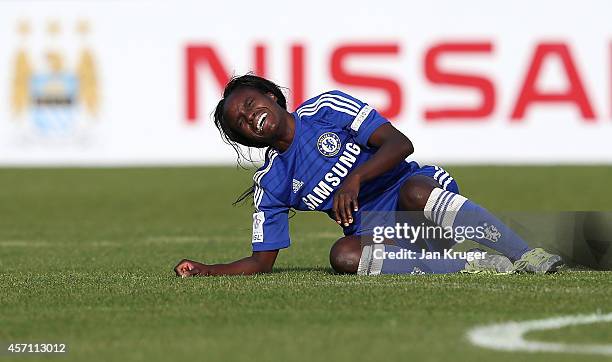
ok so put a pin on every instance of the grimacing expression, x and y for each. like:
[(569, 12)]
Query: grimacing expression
[(254, 115)]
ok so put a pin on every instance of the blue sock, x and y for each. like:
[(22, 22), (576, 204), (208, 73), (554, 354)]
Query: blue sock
[(377, 259), (447, 209)]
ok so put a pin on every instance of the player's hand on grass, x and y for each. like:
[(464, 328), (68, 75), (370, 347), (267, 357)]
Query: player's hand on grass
[(189, 268), (345, 200)]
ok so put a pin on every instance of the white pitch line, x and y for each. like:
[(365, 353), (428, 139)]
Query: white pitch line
[(509, 336), (25, 243)]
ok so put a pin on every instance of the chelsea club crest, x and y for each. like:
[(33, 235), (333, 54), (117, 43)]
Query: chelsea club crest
[(329, 144)]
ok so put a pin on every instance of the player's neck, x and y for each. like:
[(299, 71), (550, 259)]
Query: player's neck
[(285, 140)]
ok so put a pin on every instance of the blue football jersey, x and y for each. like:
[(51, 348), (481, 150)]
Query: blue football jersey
[(330, 140)]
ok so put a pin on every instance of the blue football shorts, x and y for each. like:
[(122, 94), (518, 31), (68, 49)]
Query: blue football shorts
[(388, 201)]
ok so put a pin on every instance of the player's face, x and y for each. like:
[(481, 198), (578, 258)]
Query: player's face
[(254, 115)]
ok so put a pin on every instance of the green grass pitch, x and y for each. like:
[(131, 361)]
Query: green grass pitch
[(86, 258)]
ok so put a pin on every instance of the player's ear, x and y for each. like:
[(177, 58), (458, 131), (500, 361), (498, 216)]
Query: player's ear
[(271, 95)]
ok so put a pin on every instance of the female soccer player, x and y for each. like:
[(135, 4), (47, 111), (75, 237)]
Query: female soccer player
[(338, 155)]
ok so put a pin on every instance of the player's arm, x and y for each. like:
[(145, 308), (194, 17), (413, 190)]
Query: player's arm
[(258, 262), (393, 148)]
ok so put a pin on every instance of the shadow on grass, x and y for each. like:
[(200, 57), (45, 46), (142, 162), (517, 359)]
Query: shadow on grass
[(302, 269)]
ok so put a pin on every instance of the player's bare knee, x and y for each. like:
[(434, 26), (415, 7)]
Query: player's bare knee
[(345, 254), (415, 192)]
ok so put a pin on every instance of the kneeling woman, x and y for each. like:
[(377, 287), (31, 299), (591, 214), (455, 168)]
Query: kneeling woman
[(337, 155)]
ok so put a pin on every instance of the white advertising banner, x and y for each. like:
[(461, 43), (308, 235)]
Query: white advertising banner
[(135, 82)]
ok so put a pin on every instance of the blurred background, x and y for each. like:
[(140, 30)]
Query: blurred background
[(111, 171), (473, 82)]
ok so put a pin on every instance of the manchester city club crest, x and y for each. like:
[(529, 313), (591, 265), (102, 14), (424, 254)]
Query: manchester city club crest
[(50, 99), (329, 144)]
